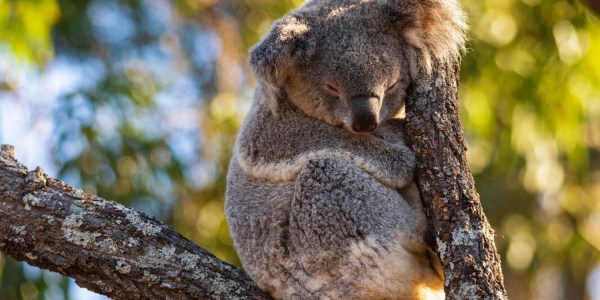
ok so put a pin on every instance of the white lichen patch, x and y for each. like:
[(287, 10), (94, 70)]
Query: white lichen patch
[(132, 242), (71, 228), (221, 286), (99, 202), (32, 200), (462, 236), (109, 245), (467, 290), (31, 256), (146, 228), (50, 219), (190, 263), (166, 257), (156, 258), (20, 230), (189, 260), (169, 285), (78, 194), (173, 273), (168, 251), (80, 238), (36, 199), (123, 267), (74, 219), (150, 277), (442, 248)]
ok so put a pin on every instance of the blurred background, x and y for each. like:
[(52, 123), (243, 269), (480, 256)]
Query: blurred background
[(139, 101)]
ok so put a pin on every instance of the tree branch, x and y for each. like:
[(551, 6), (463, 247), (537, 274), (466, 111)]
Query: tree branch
[(464, 238), (104, 246)]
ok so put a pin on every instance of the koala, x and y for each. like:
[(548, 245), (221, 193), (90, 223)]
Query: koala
[(321, 200)]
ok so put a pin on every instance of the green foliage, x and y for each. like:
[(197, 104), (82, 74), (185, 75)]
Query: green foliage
[(530, 98), (25, 27), (161, 89)]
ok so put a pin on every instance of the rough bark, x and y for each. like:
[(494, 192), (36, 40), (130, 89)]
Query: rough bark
[(463, 236), (104, 246)]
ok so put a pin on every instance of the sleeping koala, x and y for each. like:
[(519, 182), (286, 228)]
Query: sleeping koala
[(321, 200)]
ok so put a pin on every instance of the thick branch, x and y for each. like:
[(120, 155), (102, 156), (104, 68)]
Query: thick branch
[(104, 246), (464, 238)]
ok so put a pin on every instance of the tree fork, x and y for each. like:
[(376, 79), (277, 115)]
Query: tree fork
[(104, 246), (463, 236)]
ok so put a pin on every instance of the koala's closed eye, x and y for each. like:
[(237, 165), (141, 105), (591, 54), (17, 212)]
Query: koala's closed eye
[(331, 89)]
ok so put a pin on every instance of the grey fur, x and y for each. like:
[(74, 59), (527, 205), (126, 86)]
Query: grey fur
[(320, 199)]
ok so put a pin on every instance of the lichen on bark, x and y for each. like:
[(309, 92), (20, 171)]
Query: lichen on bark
[(464, 238), (104, 246)]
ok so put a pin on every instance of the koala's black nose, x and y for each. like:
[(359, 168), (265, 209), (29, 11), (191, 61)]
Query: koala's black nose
[(365, 114), (364, 124)]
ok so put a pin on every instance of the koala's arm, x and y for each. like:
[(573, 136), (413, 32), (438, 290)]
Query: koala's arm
[(279, 151), (335, 202)]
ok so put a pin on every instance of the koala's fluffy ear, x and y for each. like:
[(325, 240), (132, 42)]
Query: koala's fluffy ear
[(433, 29), (275, 56)]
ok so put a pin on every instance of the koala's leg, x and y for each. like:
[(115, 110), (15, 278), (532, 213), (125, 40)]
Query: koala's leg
[(350, 237)]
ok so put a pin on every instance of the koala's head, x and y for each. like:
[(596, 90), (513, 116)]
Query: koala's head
[(348, 62)]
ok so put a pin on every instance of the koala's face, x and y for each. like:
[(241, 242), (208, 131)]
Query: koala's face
[(339, 61), (356, 78)]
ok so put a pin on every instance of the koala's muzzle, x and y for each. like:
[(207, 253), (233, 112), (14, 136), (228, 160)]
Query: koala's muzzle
[(364, 114)]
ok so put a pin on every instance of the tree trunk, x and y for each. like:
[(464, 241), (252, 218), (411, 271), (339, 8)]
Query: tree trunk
[(463, 236), (104, 246)]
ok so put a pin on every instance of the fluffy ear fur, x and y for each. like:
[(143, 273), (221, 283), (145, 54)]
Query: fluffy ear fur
[(435, 30), (275, 56)]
